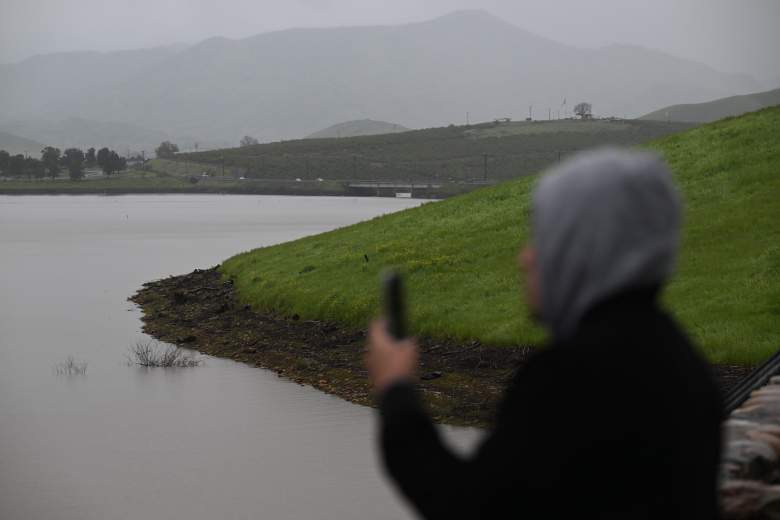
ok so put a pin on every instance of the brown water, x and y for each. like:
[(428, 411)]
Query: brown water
[(224, 440)]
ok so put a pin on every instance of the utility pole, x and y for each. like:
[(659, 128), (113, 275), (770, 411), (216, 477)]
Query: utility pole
[(549, 114), (530, 112), (467, 119), (484, 166)]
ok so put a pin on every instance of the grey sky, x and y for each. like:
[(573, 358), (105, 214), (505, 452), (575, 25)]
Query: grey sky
[(730, 35)]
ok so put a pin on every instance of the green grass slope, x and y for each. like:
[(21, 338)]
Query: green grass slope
[(459, 255)]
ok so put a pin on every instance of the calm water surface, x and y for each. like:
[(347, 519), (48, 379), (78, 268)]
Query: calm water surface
[(224, 440)]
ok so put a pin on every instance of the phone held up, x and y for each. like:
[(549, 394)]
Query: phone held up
[(393, 304)]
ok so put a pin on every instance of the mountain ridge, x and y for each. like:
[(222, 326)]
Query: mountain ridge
[(717, 108), (283, 84), (16, 144)]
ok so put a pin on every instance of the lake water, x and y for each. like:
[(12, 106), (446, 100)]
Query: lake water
[(223, 440)]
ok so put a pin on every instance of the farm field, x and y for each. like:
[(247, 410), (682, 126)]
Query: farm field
[(485, 152)]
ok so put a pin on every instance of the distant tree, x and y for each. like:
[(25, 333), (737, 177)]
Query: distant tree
[(121, 163), (583, 110), (115, 163), (102, 158), (90, 158), (50, 157), (34, 168), (4, 158), (74, 161), (166, 150), (110, 161), (16, 166), (248, 141)]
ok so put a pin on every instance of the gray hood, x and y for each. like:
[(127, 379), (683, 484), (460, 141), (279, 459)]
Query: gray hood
[(603, 222)]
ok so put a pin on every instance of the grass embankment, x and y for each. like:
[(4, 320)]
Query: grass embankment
[(459, 255)]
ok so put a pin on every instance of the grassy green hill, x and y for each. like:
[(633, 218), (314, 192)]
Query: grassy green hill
[(717, 109), (459, 255), (449, 154)]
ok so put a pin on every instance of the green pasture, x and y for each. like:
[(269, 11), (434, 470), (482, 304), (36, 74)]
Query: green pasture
[(459, 255)]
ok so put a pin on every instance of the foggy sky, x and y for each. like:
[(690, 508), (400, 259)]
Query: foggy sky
[(730, 35)]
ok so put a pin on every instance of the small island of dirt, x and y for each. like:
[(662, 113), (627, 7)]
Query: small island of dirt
[(461, 383)]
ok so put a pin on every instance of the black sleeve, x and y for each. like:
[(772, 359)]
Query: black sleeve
[(436, 481)]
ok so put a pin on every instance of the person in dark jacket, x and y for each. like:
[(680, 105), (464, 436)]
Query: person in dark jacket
[(618, 417)]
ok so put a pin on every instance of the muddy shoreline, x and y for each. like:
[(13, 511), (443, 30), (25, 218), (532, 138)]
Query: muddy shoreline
[(461, 383)]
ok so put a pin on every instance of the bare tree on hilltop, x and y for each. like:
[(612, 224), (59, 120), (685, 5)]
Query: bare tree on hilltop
[(248, 141), (583, 110)]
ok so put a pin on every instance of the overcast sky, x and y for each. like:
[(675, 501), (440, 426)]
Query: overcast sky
[(730, 35)]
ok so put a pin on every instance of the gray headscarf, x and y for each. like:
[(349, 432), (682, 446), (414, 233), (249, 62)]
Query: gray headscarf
[(603, 222)]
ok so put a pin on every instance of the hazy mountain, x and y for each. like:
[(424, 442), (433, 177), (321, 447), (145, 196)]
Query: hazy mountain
[(717, 109), (14, 144), (47, 85), (289, 83), (356, 128), (84, 133)]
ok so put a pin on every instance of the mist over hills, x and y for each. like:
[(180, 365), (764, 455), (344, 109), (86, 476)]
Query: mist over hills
[(290, 83), (14, 145), (716, 109), (358, 128), (83, 133)]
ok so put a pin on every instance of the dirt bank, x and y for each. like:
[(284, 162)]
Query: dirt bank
[(460, 382)]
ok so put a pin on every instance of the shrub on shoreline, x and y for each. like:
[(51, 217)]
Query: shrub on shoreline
[(152, 354)]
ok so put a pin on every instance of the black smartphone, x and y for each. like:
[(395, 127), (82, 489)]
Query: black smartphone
[(393, 304)]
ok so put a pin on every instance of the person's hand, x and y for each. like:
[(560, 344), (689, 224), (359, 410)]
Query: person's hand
[(387, 359)]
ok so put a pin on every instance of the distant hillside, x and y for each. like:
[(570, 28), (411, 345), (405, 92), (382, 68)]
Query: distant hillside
[(14, 144), (488, 151), (717, 109), (459, 255), (281, 85), (46, 86), (84, 133), (358, 128)]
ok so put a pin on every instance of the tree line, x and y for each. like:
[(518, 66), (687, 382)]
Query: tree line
[(53, 161)]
